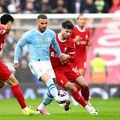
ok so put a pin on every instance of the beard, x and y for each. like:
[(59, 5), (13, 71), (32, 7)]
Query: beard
[(43, 29)]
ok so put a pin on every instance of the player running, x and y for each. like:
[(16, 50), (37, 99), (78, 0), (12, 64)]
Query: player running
[(81, 35), (5, 74), (67, 74), (39, 40)]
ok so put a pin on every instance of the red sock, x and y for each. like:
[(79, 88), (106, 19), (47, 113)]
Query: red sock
[(85, 93), (78, 98), (17, 92), (78, 87)]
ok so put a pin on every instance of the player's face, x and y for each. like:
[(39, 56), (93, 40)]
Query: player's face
[(81, 21), (42, 24), (9, 25), (66, 33)]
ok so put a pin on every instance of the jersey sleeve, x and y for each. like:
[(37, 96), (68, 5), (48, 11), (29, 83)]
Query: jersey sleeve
[(56, 45), (23, 41)]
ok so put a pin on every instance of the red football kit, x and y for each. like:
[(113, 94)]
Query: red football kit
[(4, 71), (67, 72), (81, 45)]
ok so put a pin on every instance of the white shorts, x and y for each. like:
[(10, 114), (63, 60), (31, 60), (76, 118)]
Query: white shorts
[(41, 67)]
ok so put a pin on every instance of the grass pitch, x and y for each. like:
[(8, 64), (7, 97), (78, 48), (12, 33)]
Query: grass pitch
[(108, 110)]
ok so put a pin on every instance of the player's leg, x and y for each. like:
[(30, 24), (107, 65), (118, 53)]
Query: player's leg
[(43, 71), (79, 98), (75, 94), (81, 71), (7, 76), (75, 77), (17, 92), (84, 86), (50, 85), (2, 84), (47, 100), (63, 81)]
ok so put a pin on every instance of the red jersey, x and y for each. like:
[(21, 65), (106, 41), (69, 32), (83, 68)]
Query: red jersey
[(81, 45), (67, 47), (2, 36), (4, 71)]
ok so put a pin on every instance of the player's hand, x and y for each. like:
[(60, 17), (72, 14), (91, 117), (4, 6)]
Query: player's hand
[(64, 58), (77, 39), (16, 65)]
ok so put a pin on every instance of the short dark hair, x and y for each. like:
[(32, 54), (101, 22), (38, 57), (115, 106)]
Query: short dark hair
[(42, 16), (5, 18), (67, 25)]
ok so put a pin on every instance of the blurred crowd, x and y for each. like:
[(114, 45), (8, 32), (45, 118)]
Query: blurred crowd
[(58, 6)]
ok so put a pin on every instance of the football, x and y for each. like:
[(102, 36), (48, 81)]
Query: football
[(63, 96)]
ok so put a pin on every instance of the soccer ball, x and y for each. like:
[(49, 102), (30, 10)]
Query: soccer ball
[(62, 96)]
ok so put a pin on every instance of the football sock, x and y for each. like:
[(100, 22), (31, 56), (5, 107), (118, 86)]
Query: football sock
[(85, 93), (51, 87), (78, 98), (17, 92), (47, 100), (78, 87)]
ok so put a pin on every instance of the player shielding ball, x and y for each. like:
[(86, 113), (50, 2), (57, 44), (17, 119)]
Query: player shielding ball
[(39, 40), (5, 74), (67, 74)]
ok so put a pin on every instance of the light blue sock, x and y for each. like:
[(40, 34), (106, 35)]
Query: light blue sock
[(47, 100), (51, 87)]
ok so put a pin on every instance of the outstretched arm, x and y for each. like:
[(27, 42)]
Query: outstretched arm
[(18, 49)]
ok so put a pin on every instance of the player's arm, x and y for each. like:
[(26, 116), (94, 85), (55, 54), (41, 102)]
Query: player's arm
[(17, 52), (63, 57), (72, 53), (77, 39), (89, 41)]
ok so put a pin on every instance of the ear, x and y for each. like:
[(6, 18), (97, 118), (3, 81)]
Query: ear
[(9, 23)]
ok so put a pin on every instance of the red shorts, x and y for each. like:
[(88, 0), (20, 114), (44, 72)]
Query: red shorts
[(64, 76), (81, 63), (4, 72)]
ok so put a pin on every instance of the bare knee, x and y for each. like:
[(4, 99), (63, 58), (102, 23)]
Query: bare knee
[(12, 80), (2, 84), (45, 77), (69, 86)]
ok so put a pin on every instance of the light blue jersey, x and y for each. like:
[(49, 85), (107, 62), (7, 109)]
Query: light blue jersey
[(39, 45)]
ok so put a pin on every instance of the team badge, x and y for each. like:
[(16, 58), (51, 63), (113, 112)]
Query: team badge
[(43, 39)]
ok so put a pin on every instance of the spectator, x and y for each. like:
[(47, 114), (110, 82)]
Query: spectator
[(101, 6), (115, 6), (12, 6), (77, 6), (18, 9), (29, 9), (45, 6), (3, 8), (60, 7), (90, 7), (98, 69)]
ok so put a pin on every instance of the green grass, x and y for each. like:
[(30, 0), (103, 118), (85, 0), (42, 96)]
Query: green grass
[(108, 110)]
